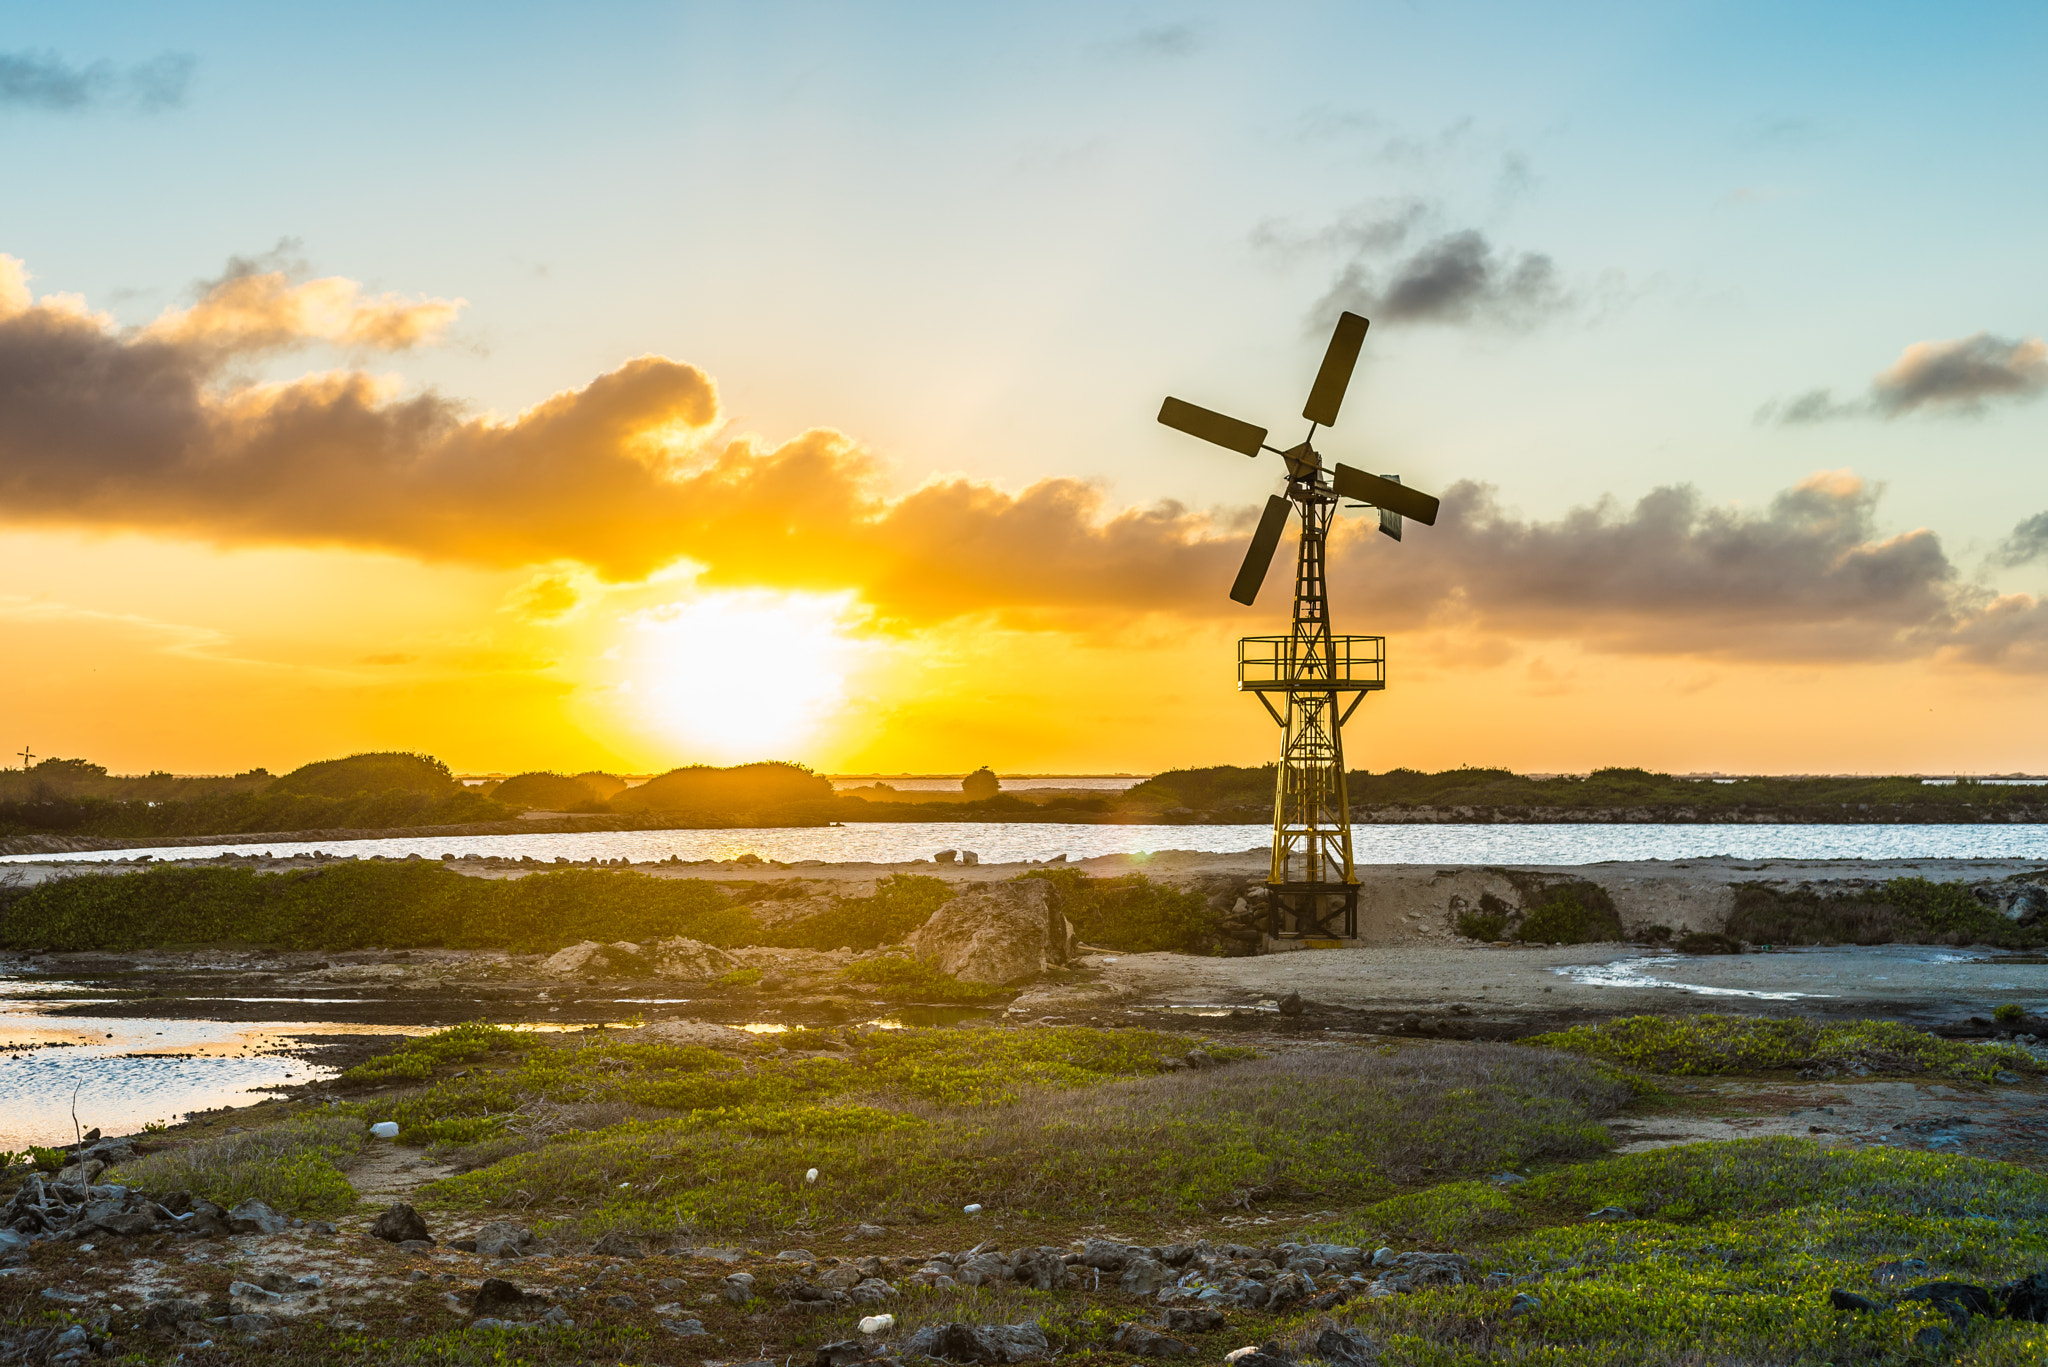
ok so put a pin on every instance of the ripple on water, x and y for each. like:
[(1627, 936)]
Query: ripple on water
[(1630, 973)]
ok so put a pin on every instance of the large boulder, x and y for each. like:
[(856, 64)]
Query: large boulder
[(997, 933)]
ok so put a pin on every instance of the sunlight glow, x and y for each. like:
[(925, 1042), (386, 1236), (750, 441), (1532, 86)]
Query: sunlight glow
[(738, 676)]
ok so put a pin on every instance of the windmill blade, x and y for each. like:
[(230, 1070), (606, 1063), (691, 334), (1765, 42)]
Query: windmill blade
[(1258, 557), (1226, 432), (1385, 493), (1390, 522), (1335, 377)]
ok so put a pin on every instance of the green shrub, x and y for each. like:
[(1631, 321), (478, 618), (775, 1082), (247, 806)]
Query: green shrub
[(900, 904), (2012, 1013), (1133, 914), (1707, 1044), (1571, 914), (739, 977), (1706, 942), (49, 1160), (1454, 1213), (289, 1166)]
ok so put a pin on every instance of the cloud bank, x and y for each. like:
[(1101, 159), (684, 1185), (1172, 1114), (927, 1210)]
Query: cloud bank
[(153, 428), (1961, 378)]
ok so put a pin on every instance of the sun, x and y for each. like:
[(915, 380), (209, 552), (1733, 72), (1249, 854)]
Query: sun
[(743, 675)]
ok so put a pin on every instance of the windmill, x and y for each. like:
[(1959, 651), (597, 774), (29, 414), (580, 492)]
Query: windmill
[(1312, 882)]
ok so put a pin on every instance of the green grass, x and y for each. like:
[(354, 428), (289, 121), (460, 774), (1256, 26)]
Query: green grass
[(1729, 1259), (900, 904), (1048, 1123), (290, 1166), (1706, 1044), (1903, 910), (416, 1060), (1574, 913)]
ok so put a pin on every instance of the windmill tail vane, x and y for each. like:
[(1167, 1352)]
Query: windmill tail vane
[(1312, 890)]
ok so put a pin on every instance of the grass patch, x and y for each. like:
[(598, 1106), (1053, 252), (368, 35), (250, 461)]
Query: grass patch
[(1451, 1215), (905, 978), (1576, 913), (416, 1060), (1695, 1045), (289, 1166), (739, 977), (1729, 1261), (1056, 1124)]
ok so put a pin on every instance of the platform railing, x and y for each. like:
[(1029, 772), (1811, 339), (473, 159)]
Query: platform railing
[(1277, 664)]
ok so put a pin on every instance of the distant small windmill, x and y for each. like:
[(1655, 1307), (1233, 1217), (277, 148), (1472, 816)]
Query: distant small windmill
[(1312, 881)]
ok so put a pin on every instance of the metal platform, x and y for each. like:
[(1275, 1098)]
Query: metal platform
[(1334, 664)]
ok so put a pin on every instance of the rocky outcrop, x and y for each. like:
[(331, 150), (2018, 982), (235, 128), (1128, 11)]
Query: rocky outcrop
[(997, 933)]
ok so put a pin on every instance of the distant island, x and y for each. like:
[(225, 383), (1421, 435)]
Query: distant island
[(74, 804)]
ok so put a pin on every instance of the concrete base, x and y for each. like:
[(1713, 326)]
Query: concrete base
[(1275, 944)]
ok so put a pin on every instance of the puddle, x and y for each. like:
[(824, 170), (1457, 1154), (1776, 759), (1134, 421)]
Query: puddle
[(1629, 973), (931, 1017), (122, 1074)]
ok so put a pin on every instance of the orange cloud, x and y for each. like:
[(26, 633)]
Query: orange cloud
[(151, 429)]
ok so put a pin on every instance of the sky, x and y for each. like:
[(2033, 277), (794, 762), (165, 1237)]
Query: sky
[(628, 386)]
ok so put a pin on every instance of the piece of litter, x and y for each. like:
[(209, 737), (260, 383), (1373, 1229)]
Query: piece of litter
[(970, 1210), (875, 1324), (1236, 1353), (385, 1129), (811, 1176)]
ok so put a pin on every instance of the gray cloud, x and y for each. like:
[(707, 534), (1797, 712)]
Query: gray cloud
[(1958, 377), (1455, 279), (32, 80), (2028, 542)]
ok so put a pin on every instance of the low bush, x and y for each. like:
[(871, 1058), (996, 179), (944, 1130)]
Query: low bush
[(1903, 910), (1570, 914), (1133, 914), (1707, 1044), (899, 904), (1706, 942), (292, 1167)]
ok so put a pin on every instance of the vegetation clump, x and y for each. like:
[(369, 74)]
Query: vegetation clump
[(291, 1167), (549, 792), (899, 904), (1574, 913), (1133, 914), (1902, 910), (1707, 1044), (739, 788), (417, 1059)]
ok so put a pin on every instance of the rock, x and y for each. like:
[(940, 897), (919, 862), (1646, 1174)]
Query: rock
[(996, 933), (983, 1343), (250, 1294), (415, 1245), (169, 1314), (982, 1267), (251, 1323), (254, 1217), (503, 1239), (1844, 1300), (796, 1255), (840, 1279), (1106, 1254), (497, 1295), (400, 1224), (1899, 1270), (1285, 1289), (1383, 1257), (1609, 1213), (681, 957), (870, 1291), (1043, 1269), (1929, 1339), (1957, 1300), (51, 1293), (1149, 1343), (621, 1303), (1181, 1319), (1346, 1348), (1291, 1004), (1526, 1304), (2027, 1298), (617, 1245), (868, 1231), (1143, 1276), (844, 1353), (738, 1288)]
